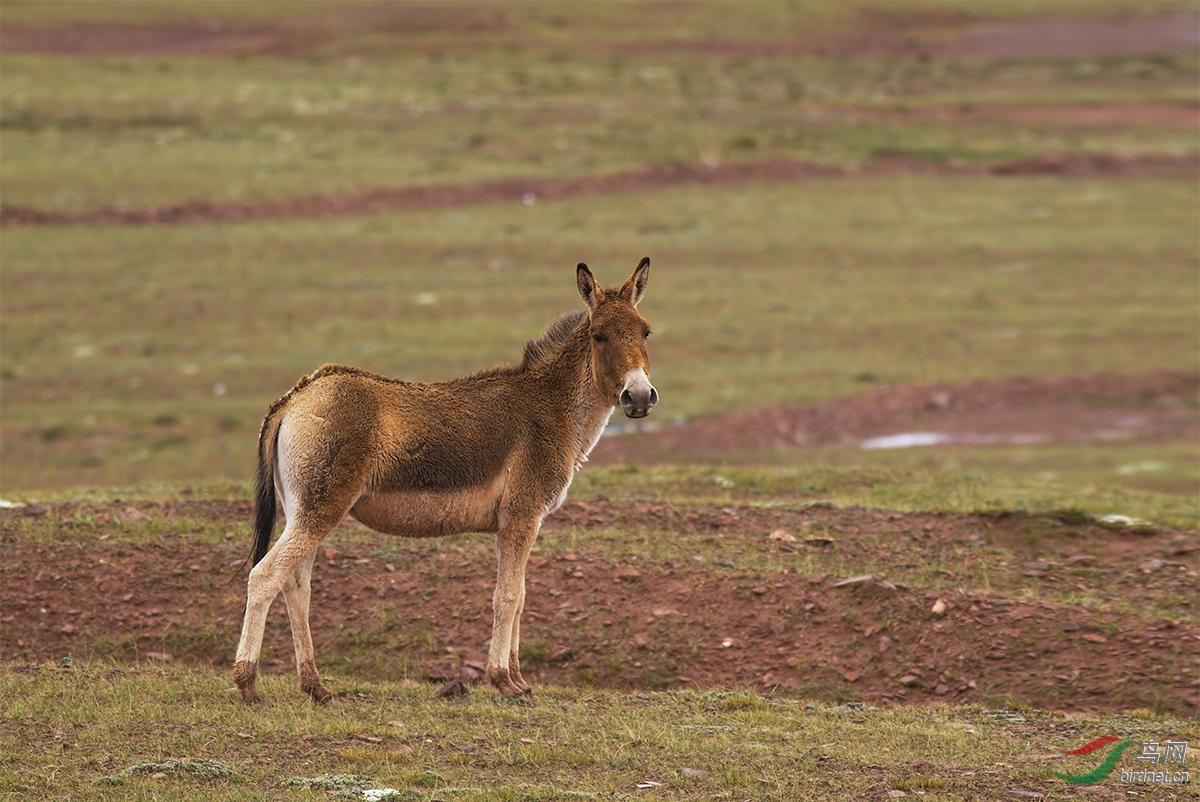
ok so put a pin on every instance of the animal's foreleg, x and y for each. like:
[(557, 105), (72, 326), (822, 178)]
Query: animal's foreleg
[(512, 552), (297, 591), (514, 649)]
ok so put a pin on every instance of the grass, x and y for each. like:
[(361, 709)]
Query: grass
[(139, 354), (137, 362), (536, 97), (111, 732), (120, 365)]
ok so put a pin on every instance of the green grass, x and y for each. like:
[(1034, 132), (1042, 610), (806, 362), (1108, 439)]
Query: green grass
[(571, 91), (152, 352), (93, 730)]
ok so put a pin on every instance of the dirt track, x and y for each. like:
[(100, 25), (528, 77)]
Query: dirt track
[(629, 622), (512, 190)]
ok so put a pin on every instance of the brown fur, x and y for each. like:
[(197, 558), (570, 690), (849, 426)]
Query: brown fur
[(491, 452)]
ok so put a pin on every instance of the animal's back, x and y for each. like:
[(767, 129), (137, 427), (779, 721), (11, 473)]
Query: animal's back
[(412, 436)]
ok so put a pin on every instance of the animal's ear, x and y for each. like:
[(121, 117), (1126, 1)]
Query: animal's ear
[(635, 286), (592, 292)]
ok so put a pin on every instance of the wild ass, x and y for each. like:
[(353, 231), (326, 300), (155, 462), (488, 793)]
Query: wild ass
[(492, 452)]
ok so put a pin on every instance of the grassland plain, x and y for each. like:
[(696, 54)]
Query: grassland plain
[(151, 352), (109, 732), (136, 364)]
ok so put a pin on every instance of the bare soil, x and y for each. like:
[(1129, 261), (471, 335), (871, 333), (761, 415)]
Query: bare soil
[(874, 31), (422, 608), (1157, 406), (651, 177)]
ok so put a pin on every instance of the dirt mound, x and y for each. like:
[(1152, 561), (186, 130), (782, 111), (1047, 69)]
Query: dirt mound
[(422, 608), (651, 177), (1153, 407)]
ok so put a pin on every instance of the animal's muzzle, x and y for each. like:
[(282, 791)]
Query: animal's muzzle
[(638, 402)]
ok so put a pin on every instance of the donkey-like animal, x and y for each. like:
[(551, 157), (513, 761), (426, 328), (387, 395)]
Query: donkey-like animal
[(492, 452)]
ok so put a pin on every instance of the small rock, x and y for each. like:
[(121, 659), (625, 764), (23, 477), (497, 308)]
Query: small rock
[(942, 690), (854, 580), (759, 591), (627, 574), (454, 687), (402, 749), (133, 514), (1077, 559), (1093, 638), (161, 656), (885, 643), (908, 680), (939, 608), (67, 629), (158, 775), (332, 554), (1035, 565), (782, 535), (463, 747), (1151, 564), (1068, 626), (367, 738), (686, 772), (850, 676), (896, 793)]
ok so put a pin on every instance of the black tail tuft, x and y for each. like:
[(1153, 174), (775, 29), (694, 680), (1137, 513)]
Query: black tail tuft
[(264, 503)]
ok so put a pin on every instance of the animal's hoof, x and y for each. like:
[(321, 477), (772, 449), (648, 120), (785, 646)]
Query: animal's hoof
[(244, 673), (320, 695)]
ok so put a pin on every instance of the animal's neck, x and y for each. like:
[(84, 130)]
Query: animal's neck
[(590, 408)]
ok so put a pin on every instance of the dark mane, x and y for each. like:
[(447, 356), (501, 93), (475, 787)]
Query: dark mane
[(552, 339)]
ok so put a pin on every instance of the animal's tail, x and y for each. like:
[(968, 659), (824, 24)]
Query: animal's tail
[(264, 487)]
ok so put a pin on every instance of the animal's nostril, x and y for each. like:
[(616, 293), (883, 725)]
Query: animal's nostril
[(626, 399), (653, 396)]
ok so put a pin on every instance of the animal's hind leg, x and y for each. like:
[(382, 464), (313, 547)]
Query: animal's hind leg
[(266, 581), (296, 545), (297, 591)]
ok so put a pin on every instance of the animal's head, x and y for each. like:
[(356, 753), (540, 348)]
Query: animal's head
[(620, 361)]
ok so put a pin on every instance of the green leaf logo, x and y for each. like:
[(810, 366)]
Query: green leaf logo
[(1104, 769)]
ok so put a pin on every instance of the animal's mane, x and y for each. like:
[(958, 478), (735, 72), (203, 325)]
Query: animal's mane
[(551, 342), (537, 352)]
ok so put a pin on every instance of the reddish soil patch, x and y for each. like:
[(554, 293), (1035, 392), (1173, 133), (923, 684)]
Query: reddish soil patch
[(186, 38), (652, 177), (291, 35), (629, 622), (1072, 38), (931, 33), (1148, 114), (874, 32), (1149, 407)]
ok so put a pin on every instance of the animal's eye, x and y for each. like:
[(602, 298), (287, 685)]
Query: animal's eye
[(646, 336), (600, 338)]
